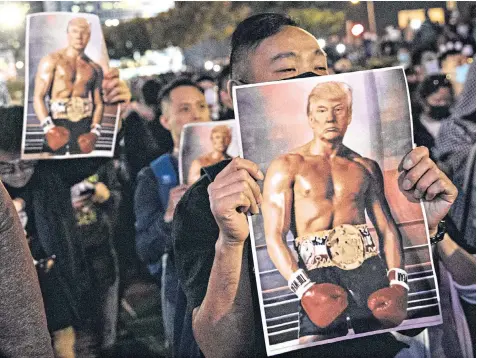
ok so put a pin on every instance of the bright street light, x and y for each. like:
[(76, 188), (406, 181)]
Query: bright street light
[(217, 68), (208, 65), (354, 2), (357, 29), (111, 22), (19, 65), (12, 15), (416, 24), (340, 48), (322, 43)]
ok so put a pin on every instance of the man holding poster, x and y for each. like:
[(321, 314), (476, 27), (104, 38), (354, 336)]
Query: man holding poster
[(213, 250), (72, 82), (321, 192)]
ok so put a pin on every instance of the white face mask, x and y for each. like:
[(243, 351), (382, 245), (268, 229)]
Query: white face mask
[(17, 173), (211, 96)]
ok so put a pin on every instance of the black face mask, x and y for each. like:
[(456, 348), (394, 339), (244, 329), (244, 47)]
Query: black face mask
[(302, 75), (439, 112)]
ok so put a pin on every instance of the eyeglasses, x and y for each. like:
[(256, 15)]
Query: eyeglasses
[(16, 166)]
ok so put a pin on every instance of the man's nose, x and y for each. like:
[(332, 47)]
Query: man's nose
[(331, 117), (196, 115)]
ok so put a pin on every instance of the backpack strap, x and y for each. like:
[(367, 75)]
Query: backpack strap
[(165, 171)]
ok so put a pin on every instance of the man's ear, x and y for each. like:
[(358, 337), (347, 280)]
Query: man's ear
[(165, 121), (230, 84)]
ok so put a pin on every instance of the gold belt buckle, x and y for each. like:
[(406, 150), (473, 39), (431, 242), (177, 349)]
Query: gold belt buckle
[(76, 109), (345, 247)]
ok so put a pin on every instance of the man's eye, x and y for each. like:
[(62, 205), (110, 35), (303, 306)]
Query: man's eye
[(320, 68), (184, 109), (286, 70)]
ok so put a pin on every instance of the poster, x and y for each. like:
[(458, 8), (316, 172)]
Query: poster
[(65, 115), (330, 147), (204, 144)]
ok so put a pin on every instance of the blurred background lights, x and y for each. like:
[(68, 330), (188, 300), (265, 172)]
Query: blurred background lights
[(357, 29), (340, 48), (415, 24), (208, 65)]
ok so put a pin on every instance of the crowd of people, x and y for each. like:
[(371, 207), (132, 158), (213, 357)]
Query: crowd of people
[(92, 224)]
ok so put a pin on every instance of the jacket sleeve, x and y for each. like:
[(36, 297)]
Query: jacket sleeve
[(153, 235), (23, 329)]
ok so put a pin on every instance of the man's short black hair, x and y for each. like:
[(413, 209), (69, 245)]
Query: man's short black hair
[(250, 33), (11, 124), (150, 90), (431, 84), (223, 78), (165, 94)]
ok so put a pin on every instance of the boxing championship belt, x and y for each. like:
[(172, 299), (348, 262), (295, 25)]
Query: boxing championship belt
[(56, 136), (87, 141), (323, 302), (389, 304), (73, 109)]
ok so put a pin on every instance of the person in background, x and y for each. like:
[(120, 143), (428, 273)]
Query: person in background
[(455, 153), (158, 192), (95, 201), (23, 325), (227, 104), (23, 184), (436, 97), (207, 83), (404, 56), (42, 197), (455, 63), (144, 137)]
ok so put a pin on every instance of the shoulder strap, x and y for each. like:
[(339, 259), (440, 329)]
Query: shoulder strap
[(166, 176)]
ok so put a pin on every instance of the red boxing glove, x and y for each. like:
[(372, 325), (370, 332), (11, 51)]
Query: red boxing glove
[(87, 142), (57, 137), (389, 305), (324, 302)]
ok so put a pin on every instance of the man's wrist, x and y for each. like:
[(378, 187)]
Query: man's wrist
[(168, 217), (96, 129), (226, 242), (47, 124), (398, 276), (438, 234)]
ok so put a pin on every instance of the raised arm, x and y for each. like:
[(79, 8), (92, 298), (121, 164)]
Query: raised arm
[(378, 211), (223, 323), (276, 209), (43, 82)]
